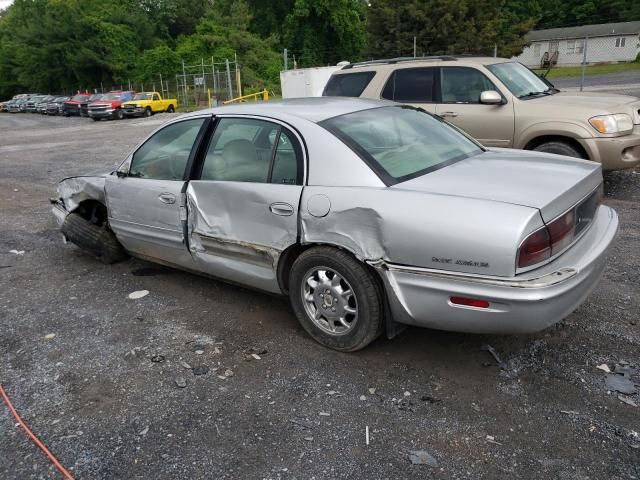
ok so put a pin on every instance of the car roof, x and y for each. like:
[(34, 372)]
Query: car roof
[(410, 62), (313, 109)]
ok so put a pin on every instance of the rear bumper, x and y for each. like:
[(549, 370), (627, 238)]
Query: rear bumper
[(527, 303), (615, 153)]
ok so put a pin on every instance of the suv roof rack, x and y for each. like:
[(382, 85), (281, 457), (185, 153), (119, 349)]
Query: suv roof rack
[(387, 61)]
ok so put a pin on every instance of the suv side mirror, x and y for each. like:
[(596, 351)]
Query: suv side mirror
[(490, 97)]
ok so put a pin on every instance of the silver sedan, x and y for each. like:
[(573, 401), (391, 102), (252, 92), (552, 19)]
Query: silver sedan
[(369, 215)]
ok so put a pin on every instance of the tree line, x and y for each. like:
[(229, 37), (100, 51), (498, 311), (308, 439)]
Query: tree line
[(62, 45)]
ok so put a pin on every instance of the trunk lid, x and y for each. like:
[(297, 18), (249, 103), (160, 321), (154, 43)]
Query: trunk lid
[(550, 183)]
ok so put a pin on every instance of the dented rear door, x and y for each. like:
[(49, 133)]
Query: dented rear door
[(243, 204)]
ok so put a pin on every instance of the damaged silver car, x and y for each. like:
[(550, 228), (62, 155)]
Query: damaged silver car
[(369, 215)]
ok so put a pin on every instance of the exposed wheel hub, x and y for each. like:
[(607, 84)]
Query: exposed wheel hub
[(329, 301)]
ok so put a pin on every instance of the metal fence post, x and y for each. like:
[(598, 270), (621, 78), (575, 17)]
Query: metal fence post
[(229, 85), (584, 61), (285, 59)]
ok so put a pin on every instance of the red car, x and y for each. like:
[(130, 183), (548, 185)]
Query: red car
[(110, 105), (72, 106)]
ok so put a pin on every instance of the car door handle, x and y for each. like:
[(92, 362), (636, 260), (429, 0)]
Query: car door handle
[(167, 198), (281, 208), (449, 114)]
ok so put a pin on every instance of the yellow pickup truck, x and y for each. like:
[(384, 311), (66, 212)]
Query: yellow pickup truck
[(147, 103)]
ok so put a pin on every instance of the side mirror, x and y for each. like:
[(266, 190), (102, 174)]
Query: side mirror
[(490, 97)]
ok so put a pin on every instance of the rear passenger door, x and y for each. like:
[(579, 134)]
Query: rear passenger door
[(243, 204), (414, 86), (459, 103)]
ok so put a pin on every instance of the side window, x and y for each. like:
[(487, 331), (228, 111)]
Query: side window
[(156, 97), (286, 160), (463, 85), (164, 156), (240, 151), (249, 150), (410, 85), (347, 84)]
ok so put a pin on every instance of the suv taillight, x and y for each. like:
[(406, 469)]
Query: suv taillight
[(548, 241)]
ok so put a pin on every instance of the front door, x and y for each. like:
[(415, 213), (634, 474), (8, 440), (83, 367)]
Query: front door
[(243, 207), (460, 87), (144, 201)]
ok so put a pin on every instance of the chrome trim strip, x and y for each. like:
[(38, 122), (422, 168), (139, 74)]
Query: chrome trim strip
[(547, 280)]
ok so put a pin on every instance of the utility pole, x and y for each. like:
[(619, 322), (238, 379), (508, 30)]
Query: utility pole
[(285, 59), (414, 47)]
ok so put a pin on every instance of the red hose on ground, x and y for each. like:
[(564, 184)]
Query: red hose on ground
[(30, 434)]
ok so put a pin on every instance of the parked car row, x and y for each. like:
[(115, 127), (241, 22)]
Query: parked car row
[(116, 104)]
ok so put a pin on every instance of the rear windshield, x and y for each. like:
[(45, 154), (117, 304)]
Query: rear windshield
[(347, 84), (400, 143)]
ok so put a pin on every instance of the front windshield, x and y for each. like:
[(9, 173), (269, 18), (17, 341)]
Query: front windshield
[(401, 142), (519, 79), (79, 98), (112, 96), (95, 97), (142, 96)]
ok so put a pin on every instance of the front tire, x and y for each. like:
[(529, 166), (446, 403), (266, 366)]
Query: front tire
[(559, 148), (97, 240), (118, 114), (147, 112), (336, 299)]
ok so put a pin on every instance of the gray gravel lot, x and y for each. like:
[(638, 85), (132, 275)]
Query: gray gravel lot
[(94, 394)]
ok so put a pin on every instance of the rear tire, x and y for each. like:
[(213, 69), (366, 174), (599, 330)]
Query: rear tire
[(362, 317), (96, 240), (170, 109), (559, 148)]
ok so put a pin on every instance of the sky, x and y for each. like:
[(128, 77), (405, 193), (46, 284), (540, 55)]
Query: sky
[(5, 3)]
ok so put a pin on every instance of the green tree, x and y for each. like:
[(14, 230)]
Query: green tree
[(325, 31)]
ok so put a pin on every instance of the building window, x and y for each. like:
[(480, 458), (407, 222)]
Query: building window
[(620, 42), (536, 50), (575, 46)]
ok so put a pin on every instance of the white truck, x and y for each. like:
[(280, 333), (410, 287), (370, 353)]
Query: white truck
[(306, 82)]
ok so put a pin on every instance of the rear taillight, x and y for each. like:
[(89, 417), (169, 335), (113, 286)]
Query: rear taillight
[(562, 232), (548, 241), (535, 249)]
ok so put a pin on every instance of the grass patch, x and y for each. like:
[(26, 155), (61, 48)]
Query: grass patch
[(557, 72)]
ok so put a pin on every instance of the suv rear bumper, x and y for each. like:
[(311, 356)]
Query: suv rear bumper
[(527, 303), (615, 153)]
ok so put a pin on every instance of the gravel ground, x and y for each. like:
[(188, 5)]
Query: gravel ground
[(103, 392)]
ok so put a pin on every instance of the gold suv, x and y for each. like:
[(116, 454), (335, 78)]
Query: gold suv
[(502, 103)]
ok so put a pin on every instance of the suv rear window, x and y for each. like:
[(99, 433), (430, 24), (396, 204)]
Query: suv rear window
[(347, 84), (410, 85)]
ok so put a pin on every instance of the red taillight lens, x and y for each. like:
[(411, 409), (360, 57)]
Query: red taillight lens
[(469, 302), (535, 249), (548, 241), (562, 230)]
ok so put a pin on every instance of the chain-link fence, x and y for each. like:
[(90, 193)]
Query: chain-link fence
[(207, 83)]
